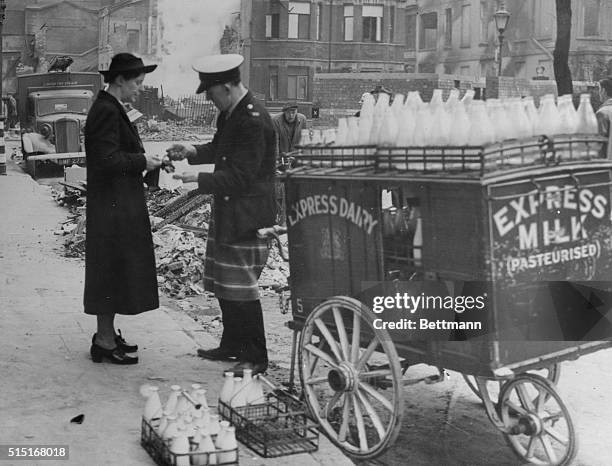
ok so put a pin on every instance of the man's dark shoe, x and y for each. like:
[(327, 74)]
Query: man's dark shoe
[(218, 354), (257, 368)]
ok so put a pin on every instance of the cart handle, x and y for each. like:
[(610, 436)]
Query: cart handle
[(272, 233)]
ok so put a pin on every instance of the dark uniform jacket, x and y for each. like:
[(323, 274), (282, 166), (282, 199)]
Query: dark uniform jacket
[(120, 274), (243, 179)]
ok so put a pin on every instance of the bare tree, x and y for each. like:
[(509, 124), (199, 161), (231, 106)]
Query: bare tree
[(563, 75)]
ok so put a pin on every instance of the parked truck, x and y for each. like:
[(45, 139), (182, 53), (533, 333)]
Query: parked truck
[(52, 110)]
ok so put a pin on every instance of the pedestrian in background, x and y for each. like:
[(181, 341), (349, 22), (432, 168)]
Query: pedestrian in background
[(120, 273), (288, 126), (604, 113), (243, 151)]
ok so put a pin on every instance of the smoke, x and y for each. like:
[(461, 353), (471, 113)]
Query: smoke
[(191, 29)]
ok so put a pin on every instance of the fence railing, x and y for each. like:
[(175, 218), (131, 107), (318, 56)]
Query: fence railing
[(191, 109)]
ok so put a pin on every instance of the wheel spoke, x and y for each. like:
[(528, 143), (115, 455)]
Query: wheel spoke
[(377, 373), (558, 436), (550, 452), (531, 448), (372, 414), (341, 333), (363, 441), (333, 345), (518, 409), (315, 359), (330, 404), (552, 418), (524, 397), (324, 356), (345, 417), (540, 400), (316, 380), (356, 337), (365, 356), (367, 388)]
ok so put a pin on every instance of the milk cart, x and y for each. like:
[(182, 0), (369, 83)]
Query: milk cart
[(524, 225)]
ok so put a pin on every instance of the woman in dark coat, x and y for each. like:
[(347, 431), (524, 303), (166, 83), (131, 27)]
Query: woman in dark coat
[(120, 273)]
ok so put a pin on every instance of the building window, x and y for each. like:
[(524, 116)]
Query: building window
[(592, 10), (411, 21), (133, 41), (519, 66), (465, 70), (273, 83), (544, 15), (392, 24), (297, 87), (318, 23), (429, 31), (484, 21), (465, 26), (299, 20), (348, 22), (372, 23), (272, 26), (448, 28)]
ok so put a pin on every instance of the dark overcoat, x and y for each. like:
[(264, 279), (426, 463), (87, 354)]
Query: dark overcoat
[(242, 184), (243, 151), (120, 274)]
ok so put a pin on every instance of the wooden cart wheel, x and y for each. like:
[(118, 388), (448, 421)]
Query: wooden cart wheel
[(354, 393), (541, 430), (552, 373)]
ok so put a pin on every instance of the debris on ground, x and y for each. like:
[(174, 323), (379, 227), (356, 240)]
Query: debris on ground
[(173, 131), (180, 222), (179, 256)]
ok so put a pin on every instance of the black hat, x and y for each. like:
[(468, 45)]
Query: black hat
[(217, 69), (290, 105), (125, 62)]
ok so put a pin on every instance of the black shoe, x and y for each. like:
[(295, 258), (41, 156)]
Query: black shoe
[(121, 343), (256, 368), (115, 355), (218, 354)]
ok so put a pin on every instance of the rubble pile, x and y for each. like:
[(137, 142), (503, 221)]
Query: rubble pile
[(276, 271), (179, 256), (156, 199), (74, 227), (198, 218), (70, 198), (179, 253), (173, 131)]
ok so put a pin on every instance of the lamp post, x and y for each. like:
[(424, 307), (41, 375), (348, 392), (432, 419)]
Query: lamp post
[(329, 44), (502, 16), (2, 8)]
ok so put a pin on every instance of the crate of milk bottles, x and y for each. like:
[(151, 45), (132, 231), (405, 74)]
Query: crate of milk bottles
[(271, 424), (185, 431)]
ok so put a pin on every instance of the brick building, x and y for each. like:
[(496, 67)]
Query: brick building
[(129, 26), (35, 31), (288, 42), (461, 38)]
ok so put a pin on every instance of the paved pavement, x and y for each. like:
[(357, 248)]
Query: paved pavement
[(46, 374)]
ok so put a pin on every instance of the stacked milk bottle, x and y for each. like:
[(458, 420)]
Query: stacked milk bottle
[(188, 427), (409, 121), (238, 392)]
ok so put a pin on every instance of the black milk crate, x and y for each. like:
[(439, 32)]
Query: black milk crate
[(280, 426), (159, 450), (336, 156)]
